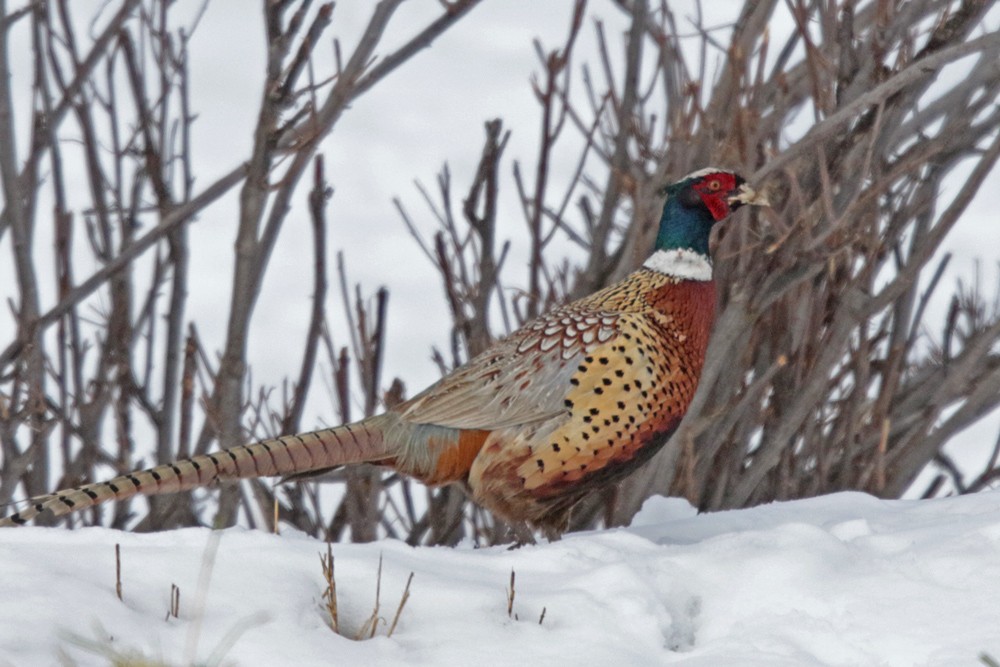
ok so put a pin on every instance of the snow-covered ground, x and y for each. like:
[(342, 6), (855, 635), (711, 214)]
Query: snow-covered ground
[(840, 580)]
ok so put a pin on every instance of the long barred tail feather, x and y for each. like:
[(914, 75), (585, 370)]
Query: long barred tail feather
[(288, 455)]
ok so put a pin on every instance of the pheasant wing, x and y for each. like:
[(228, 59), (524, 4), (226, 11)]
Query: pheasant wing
[(521, 379)]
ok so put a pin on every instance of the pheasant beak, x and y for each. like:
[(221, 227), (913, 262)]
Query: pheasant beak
[(747, 195)]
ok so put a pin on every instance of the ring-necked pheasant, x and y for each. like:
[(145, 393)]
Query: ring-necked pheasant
[(572, 401)]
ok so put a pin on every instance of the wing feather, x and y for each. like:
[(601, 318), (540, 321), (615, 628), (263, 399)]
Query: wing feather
[(521, 379)]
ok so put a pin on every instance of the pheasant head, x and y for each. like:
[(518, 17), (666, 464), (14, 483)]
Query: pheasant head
[(698, 201)]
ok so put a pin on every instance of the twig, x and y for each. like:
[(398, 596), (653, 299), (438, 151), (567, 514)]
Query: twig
[(510, 596), (318, 197), (118, 570), (402, 603), (372, 623), (175, 602), (330, 593)]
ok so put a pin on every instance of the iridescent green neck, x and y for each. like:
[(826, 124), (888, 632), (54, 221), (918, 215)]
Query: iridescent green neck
[(683, 227)]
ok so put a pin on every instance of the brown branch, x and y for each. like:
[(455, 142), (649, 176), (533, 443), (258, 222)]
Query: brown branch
[(318, 197)]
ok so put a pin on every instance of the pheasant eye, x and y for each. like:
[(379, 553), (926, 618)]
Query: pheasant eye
[(714, 185)]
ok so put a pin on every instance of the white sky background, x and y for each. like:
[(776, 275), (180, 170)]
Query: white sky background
[(429, 111)]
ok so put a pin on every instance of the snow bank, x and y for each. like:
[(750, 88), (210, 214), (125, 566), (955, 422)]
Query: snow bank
[(840, 580)]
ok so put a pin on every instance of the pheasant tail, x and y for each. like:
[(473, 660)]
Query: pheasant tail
[(285, 456)]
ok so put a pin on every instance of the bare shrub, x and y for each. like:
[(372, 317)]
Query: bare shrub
[(873, 124)]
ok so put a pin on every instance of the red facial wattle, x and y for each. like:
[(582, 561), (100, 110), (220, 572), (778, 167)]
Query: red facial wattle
[(717, 206), (715, 190)]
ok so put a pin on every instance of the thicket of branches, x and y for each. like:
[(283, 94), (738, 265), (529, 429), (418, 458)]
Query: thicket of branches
[(824, 372)]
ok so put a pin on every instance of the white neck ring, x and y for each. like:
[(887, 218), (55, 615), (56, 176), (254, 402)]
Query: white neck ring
[(680, 263)]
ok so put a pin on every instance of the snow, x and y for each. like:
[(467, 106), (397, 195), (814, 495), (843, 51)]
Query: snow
[(844, 579)]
